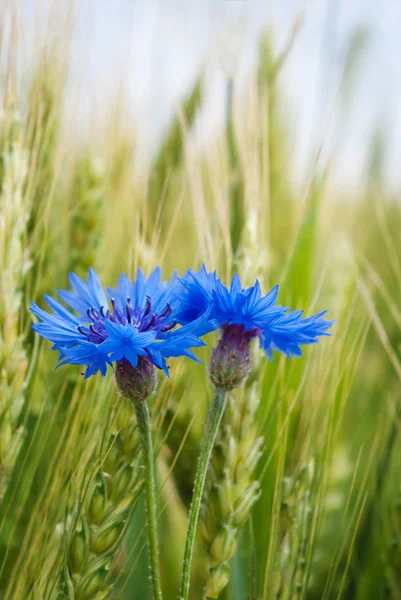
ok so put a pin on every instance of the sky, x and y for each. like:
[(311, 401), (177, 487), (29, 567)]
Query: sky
[(152, 50)]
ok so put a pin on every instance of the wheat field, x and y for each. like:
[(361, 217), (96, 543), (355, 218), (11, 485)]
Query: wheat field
[(311, 447)]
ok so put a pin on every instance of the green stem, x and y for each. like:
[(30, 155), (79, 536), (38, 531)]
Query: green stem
[(142, 415), (214, 417)]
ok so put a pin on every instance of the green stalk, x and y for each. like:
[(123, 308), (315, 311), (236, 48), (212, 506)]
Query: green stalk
[(142, 415), (213, 420)]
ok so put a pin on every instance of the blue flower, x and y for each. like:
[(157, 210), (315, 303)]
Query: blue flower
[(136, 323), (196, 297), (254, 315)]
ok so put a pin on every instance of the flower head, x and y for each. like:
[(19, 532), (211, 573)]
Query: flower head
[(135, 326), (244, 313)]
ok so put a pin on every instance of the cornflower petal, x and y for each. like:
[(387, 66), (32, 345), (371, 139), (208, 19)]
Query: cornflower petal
[(236, 287), (122, 292), (95, 289), (60, 310)]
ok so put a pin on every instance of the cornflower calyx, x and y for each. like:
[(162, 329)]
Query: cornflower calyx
[(230, 363), (136, 384)]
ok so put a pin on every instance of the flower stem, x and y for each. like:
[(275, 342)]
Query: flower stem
[(214, 417), (142, 415)]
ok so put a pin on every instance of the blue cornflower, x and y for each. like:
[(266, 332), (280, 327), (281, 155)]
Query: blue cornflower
[(243, 314), (135, 327)]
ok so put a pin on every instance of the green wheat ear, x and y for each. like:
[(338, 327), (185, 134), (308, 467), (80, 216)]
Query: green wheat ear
[(87, 201), (97, 528), (231, 488), (15, 264)]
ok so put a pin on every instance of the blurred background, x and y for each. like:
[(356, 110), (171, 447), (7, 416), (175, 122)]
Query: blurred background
[(340, 81), (259, 137)]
